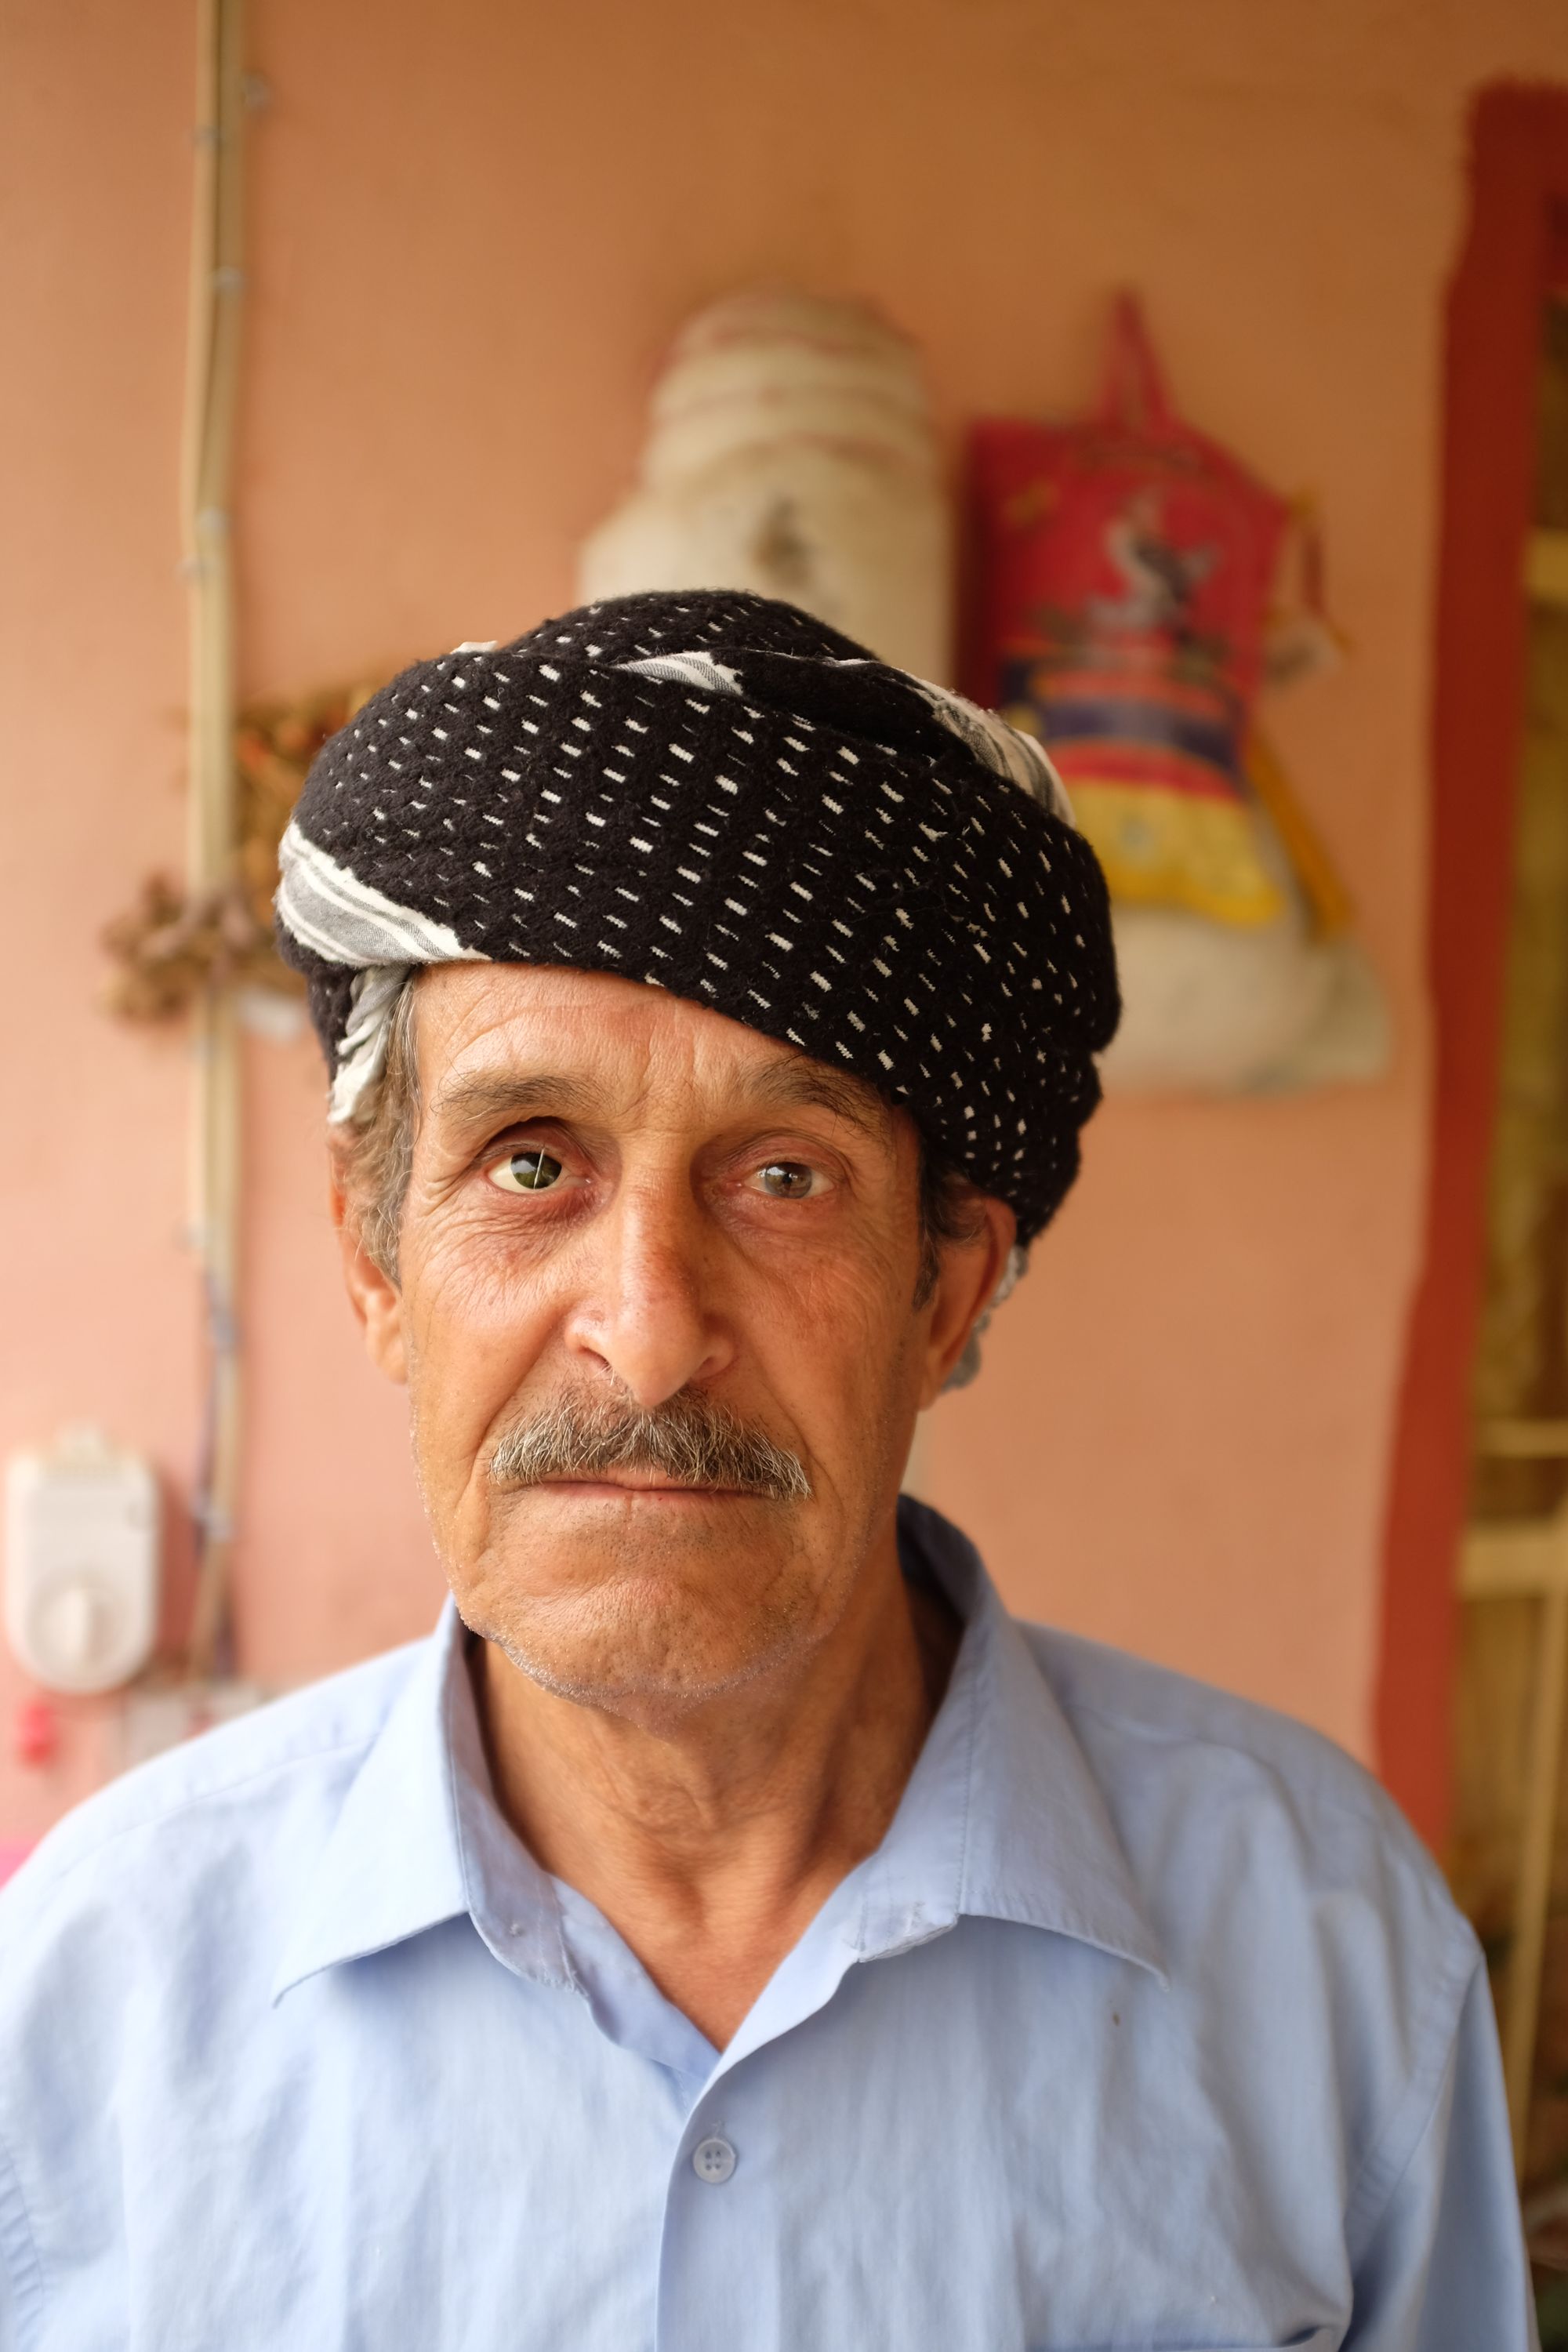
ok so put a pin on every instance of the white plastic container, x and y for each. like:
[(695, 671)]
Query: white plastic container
[(791, 451), (81, 1563)]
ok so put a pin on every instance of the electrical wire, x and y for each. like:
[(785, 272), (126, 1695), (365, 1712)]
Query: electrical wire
[(216, 292)]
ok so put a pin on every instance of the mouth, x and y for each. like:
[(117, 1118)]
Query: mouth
[(639, 1487)]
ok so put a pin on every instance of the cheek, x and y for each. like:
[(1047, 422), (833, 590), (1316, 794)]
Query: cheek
[(836, 1342), (477, 1323)]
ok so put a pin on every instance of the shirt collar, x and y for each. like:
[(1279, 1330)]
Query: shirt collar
[(1002, 1817), (420, 1840)]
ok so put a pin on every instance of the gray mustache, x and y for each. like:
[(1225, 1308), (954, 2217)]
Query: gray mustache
[(692, 1440)]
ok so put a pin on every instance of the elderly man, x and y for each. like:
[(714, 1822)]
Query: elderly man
[(729, 1930)]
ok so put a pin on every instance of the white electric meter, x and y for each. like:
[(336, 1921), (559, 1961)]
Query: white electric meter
[(81, 1563)]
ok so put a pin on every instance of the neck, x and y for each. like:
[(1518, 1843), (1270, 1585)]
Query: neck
[(712, 1845)]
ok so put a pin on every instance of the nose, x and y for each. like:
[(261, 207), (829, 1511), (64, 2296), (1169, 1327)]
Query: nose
[(644, 1310)]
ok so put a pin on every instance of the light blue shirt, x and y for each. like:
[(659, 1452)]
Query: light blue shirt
[(1148, 2024)]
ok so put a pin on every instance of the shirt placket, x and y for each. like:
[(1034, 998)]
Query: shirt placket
[(736, 2184)]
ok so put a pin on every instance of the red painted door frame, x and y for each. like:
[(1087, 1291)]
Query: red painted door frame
[(1511, 257)]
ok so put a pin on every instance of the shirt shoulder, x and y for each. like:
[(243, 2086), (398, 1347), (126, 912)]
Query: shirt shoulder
[(1138, 1719), (1281, 1880), (291, 1757)]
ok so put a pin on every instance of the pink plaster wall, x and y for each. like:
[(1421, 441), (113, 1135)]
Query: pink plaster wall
[(97, 1311), (472, 229)]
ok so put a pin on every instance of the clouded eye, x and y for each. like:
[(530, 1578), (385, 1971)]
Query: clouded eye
[(527, 1172), (788, 1179)]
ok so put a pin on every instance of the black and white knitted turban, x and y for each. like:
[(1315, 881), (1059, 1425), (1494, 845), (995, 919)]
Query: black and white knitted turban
[(715, 794)]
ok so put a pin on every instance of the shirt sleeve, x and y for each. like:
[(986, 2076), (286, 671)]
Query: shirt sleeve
[(1444, 2269), (21, 2292)]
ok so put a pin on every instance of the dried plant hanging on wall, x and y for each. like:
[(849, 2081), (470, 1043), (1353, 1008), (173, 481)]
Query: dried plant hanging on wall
[(173, 943)]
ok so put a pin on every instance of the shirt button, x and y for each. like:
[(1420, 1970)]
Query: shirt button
[(713, 2159)]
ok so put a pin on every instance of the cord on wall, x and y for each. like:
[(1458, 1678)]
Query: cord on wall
[(217, 293)]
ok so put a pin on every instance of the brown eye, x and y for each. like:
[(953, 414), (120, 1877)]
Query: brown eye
[(788, 1179), (527, 1172)]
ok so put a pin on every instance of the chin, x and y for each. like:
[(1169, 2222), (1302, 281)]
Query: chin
[(656, 1634)]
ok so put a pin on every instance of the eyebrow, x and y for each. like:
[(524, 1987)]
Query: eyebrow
[(809, 1086), (500, 1098), (481, 1099)]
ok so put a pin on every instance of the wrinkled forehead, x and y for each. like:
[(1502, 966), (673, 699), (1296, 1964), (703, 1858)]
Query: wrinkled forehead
[(491, 1039)]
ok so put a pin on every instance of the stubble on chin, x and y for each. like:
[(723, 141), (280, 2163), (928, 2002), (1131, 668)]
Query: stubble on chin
[(631, 1620)]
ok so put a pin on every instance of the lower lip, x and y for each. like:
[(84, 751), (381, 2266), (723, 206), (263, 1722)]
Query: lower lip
[(608, 1491)]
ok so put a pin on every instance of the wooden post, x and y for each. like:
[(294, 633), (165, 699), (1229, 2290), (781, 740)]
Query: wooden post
[(1528, 1953), (1528, 1561), (212, 377)]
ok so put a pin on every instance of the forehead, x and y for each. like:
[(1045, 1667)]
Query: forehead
[(621, 1045)]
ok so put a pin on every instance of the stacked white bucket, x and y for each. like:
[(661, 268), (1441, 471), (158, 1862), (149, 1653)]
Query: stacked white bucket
[(791, 451)]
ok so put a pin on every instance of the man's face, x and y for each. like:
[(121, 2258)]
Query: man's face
[(622, 1202)]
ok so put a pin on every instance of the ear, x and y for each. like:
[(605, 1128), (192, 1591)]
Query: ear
[(968, 1271), (375, 1298)]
